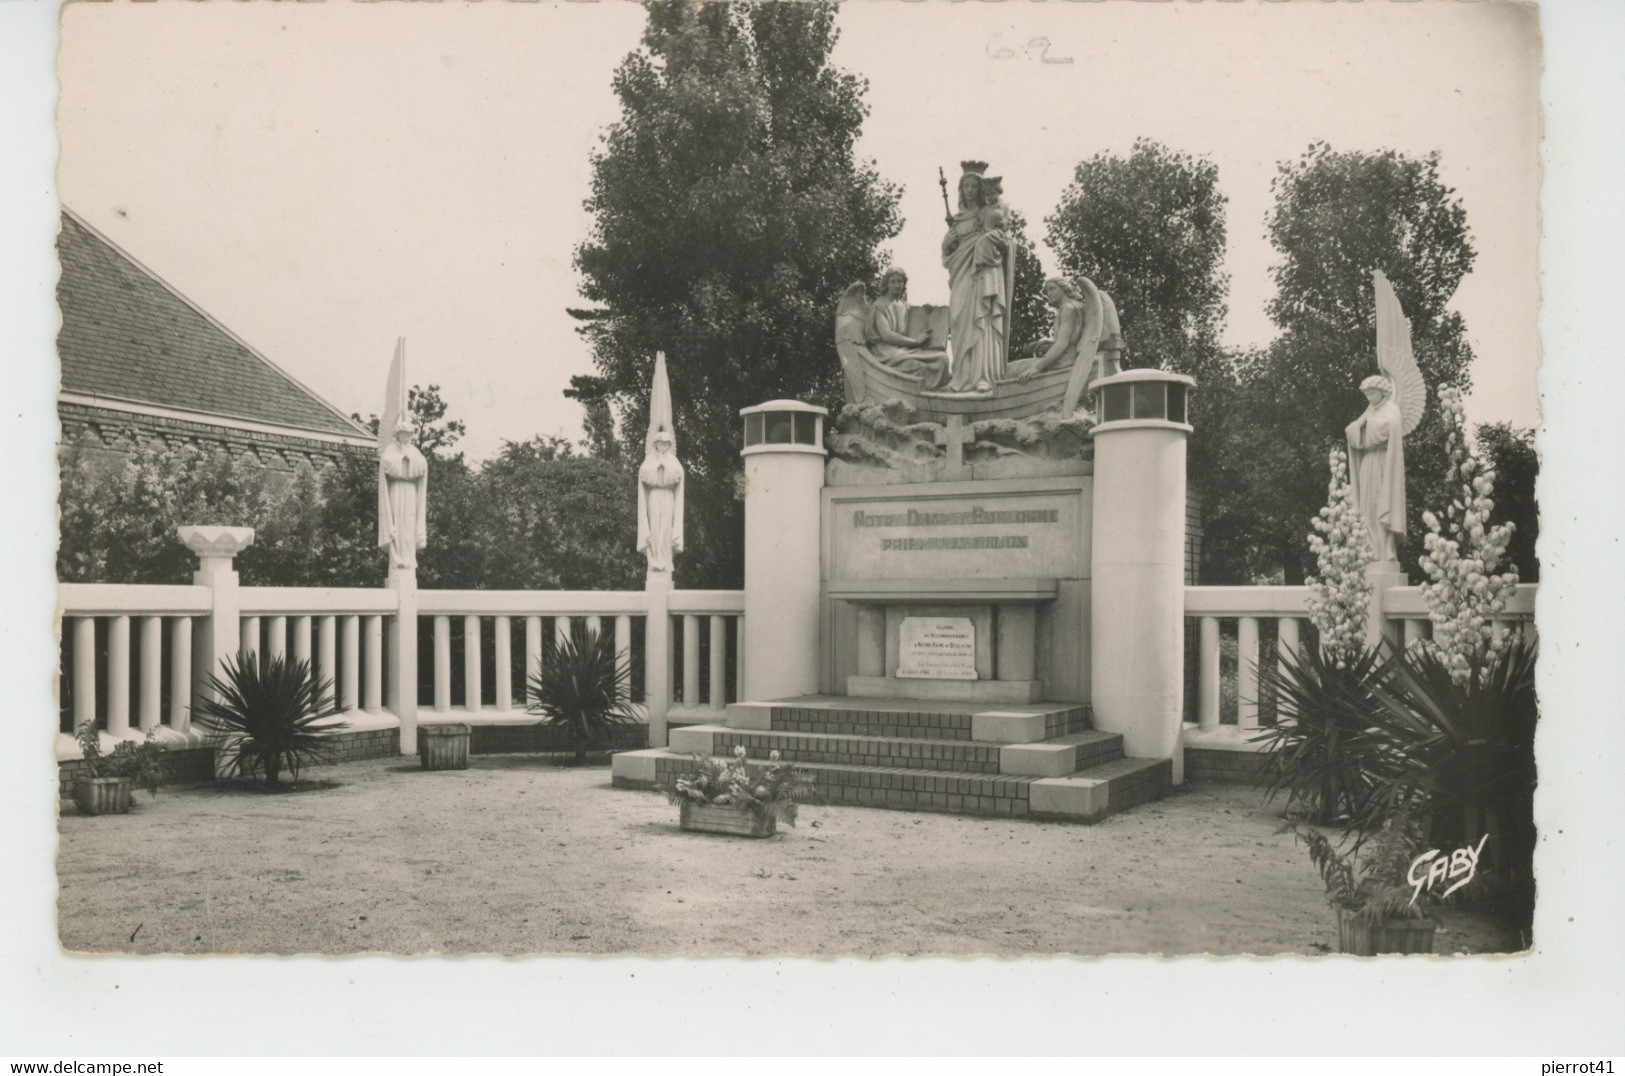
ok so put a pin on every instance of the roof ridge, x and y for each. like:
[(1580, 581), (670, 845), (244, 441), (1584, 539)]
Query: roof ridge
[(212, 320)]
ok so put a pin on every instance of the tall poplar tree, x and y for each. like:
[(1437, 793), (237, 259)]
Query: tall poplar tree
[(729, 213)]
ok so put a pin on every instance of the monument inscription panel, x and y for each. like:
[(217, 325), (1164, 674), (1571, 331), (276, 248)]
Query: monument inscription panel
[(937, 648)]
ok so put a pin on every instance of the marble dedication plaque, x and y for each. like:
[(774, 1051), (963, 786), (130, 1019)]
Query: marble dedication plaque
[(937, 648)]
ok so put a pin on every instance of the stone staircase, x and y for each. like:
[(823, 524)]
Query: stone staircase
[(1038, 760)]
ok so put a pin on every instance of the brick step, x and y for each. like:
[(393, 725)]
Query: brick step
[(1052, 758), (1086, 796), (839, 715)]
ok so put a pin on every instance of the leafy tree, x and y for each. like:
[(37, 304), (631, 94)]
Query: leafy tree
[(1149, 230), (1030, 314), (1511, 452), (1337, 217), (729, 212)]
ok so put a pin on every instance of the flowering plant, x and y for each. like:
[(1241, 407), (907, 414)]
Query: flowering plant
[(1464, 592), (774, 791), (1340, 596)]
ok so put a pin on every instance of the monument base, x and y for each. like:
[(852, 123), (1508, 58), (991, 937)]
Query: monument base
[(890, 687)]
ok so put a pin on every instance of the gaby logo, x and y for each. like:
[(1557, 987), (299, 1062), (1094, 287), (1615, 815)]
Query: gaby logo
[(1433, 868)]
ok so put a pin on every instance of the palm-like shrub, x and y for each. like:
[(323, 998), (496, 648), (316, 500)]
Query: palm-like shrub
[(1467, 747), (1322, 750), (269, 713), (583, 688)]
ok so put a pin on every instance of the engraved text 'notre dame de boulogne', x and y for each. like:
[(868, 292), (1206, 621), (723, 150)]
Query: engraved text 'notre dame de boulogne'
[(972, 517)]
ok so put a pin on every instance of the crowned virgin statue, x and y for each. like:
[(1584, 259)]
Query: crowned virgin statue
[(403, 474), (981, 273), (660, 480)]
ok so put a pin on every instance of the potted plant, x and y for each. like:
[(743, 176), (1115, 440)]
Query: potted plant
[(1378, 908), (725, 796), (268, 713), (444, 747), (585, 689), (106, 785)]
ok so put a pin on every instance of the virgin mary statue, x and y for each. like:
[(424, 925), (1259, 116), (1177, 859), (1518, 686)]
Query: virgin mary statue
[(403, 474), (977, 256)]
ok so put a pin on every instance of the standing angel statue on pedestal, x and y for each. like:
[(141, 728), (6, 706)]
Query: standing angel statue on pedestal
[(660, 480), (403, 474), (1396, 399)]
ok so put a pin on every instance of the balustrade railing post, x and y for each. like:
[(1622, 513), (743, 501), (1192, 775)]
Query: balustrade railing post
[(502, 659), (691, 661), (251, 644), (349, 663), (719, 662), (1287, 641), (276, 636), (149, 713), (84, 671), (442, 664), (623, 650), (471, 664), (301, 638), (1247, 673), (372, 695), (219, 635), (1207, 672), (327, 650), (533, 656), (180, 674)]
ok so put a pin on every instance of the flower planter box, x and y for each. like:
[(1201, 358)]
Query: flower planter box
[(103, 795), (444, 747), (726, 818), (1364, 938)]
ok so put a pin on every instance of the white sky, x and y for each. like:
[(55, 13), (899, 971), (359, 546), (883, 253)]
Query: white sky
[(324, 177)]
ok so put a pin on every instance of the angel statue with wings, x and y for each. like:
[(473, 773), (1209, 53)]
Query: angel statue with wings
[(1376, 439)]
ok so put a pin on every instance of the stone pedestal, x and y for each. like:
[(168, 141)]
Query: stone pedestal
[(1137, 622), (1382, 575), (402, 648)]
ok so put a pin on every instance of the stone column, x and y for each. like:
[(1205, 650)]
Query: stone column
[(1137, 613), (401, 686), (784, 474), (219, 635), (1382, 575)]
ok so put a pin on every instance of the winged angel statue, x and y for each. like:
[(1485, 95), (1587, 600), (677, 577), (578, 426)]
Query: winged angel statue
[(1396, 399)]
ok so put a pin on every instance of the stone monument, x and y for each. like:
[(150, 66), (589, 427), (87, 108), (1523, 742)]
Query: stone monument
[(403, 474)]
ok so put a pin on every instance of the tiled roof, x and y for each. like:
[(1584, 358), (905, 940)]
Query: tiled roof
[(126, 335)]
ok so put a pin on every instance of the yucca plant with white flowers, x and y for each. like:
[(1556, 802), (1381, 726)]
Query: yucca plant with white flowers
[(1340, 594)]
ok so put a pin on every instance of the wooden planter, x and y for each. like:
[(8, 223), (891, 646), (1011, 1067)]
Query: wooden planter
[(726, 818), (444, 747), (1362, 937), (103, 795)]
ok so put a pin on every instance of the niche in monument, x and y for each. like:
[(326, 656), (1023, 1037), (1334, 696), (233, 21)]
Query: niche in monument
[(936, 648)]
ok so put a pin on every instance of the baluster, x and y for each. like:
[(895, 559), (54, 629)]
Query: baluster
[(623, 651), (327, 666), (84, 671), (561, 629), (180, 673), (691, 660), (373, 697), (595, 625), (276, 636), (533, 655), (501, 655), (1287, 641), (1415, 632), (442, 663), (1247, 673), (251, 636), (150, 710), (350, 663), (471, 664), (301, 638), (118, 675), (739, 658), (719, 663), (1207, 675)]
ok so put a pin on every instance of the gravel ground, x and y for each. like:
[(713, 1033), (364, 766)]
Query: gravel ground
[(520, 855)]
